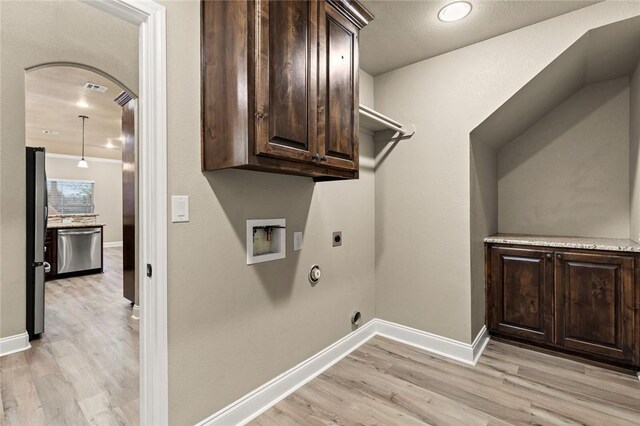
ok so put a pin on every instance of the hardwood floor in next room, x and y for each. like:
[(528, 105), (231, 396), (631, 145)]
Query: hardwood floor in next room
[(84, 368), (389, 383)]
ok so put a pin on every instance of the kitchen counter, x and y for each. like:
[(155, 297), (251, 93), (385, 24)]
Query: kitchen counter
[(75, 215), (74, 225), (606, 244)]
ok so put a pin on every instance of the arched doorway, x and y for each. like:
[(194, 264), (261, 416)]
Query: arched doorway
[(81, 121)]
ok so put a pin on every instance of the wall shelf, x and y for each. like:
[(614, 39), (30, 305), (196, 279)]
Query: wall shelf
[(383, 128)]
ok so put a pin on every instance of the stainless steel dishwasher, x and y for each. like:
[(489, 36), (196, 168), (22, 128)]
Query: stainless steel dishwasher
[(79, 249)]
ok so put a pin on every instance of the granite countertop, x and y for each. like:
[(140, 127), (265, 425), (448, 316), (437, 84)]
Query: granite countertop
[(75, 215), (74, 225), (607, 244)]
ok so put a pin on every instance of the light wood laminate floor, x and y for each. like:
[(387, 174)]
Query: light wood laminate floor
[(84, 368), (389, 383)]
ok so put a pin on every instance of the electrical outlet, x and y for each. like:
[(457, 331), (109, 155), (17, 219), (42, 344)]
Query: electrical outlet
[(337, 239), (297, 241)]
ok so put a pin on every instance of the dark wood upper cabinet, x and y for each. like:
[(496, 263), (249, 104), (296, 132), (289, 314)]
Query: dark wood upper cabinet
[(286, 81), (338, 92), (280, 86)]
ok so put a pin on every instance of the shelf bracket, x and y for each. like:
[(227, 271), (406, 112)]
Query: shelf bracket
[(384, 129), (392, 136)]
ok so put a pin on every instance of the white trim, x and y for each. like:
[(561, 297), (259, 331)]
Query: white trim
[(112, 244), (266, 396), (135, 312), (13, 344), (480, 344), (152, 175), (75, 158), (463, 352)]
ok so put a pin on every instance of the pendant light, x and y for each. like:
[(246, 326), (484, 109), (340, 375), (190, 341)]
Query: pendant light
[(83, 163)]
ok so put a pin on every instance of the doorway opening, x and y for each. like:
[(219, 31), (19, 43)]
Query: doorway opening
[(26, 47), (83, 319)]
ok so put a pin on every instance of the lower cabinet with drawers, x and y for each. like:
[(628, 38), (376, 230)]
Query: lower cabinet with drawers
[(579, 302)]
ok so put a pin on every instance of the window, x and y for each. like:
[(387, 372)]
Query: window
[(70, 196)]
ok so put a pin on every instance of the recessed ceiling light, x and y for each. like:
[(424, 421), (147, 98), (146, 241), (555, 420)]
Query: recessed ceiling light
[(49, 132), (454, 11), (82, 104)]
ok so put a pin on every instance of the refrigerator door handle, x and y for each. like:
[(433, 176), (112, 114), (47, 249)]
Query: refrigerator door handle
[(47, 267)]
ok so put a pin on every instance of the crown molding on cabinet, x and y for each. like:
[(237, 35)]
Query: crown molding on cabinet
[(354, 11)]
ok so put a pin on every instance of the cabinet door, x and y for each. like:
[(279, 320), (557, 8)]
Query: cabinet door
[(286, 79), (521, 293), (338, 94), (594, 304)]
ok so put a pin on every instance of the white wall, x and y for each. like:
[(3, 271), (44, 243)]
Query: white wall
[(366, 90), (423, 186), (634, 157), (107, 176), (568, 174), (34, 33)]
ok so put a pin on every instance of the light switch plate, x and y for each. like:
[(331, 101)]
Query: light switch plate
[(297, 241), (179, 208)]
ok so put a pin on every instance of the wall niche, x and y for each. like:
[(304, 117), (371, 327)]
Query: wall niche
[(560, 157)]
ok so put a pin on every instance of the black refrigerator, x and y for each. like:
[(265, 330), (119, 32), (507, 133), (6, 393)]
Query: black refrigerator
[(37, 212)]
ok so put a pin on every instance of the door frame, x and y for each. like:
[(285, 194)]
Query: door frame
[(150, 17)]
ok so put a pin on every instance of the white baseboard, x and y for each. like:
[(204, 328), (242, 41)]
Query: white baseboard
[(135, 312), (13, 344), (266, 396), (463, 352), (260, 400), (480, 343), (112, 244)]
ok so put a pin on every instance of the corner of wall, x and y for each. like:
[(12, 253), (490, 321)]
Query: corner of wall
[(634, 155), (483, 159), (367, 93)]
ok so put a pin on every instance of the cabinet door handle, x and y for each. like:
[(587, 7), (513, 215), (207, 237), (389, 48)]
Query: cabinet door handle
[(324, 158), (316, 156)]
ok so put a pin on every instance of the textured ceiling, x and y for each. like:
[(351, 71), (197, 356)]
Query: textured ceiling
[(50, 101), (404, 32)]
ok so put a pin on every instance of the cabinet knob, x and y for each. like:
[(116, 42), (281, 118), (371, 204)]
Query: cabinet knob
[(548, 255), (559, 256), (324, 158), (316, 156)]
